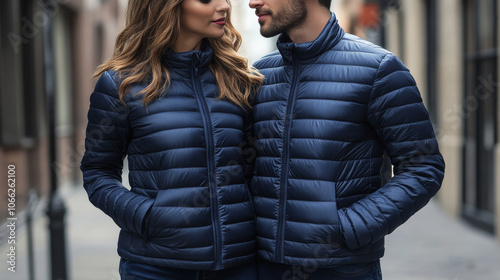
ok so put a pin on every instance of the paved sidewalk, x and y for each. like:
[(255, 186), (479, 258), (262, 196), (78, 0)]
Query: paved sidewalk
[(91, 243), (433, 246), (430, 246)]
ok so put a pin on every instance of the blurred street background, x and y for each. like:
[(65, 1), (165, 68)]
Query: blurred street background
[(51, 48)]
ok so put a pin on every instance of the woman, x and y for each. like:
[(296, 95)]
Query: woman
[(174, 99)]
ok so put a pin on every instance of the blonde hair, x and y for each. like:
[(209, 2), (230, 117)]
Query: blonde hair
[(152, 27)]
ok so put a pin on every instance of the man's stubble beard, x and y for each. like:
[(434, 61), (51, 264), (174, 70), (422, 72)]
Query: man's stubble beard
[(287, 18)]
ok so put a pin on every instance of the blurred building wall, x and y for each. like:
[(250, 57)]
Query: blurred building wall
[(464, 100), (451, 93)]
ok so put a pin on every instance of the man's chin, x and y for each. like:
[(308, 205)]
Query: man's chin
[(268, 33)]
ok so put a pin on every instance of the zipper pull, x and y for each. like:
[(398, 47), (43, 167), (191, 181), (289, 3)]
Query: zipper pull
[(196, 61)]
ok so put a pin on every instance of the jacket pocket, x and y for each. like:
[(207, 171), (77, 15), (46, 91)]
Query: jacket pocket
[(337, 238), (145, 225)]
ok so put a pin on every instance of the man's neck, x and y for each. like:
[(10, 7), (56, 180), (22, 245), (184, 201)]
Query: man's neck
[(317, 18)]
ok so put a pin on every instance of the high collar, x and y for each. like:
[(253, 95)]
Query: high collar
[(331, 34), (191, 59)]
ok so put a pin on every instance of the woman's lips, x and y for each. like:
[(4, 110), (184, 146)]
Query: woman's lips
[(221, 21)]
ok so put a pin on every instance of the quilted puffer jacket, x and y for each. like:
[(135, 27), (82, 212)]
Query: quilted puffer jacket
[(189, 205), (327, 112)]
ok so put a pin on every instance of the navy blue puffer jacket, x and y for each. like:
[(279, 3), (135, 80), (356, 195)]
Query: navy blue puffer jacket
[(326, 114), (189, 205)]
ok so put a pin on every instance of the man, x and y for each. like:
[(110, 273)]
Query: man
[(331, 106)]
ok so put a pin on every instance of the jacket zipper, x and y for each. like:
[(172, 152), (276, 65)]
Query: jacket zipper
[(286, 159), (212, 184)]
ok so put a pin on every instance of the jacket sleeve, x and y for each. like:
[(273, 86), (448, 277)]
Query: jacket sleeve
[(398, 116), (105, 148)]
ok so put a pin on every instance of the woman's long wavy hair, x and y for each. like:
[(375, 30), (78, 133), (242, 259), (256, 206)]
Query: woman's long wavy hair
[(152, 27)]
